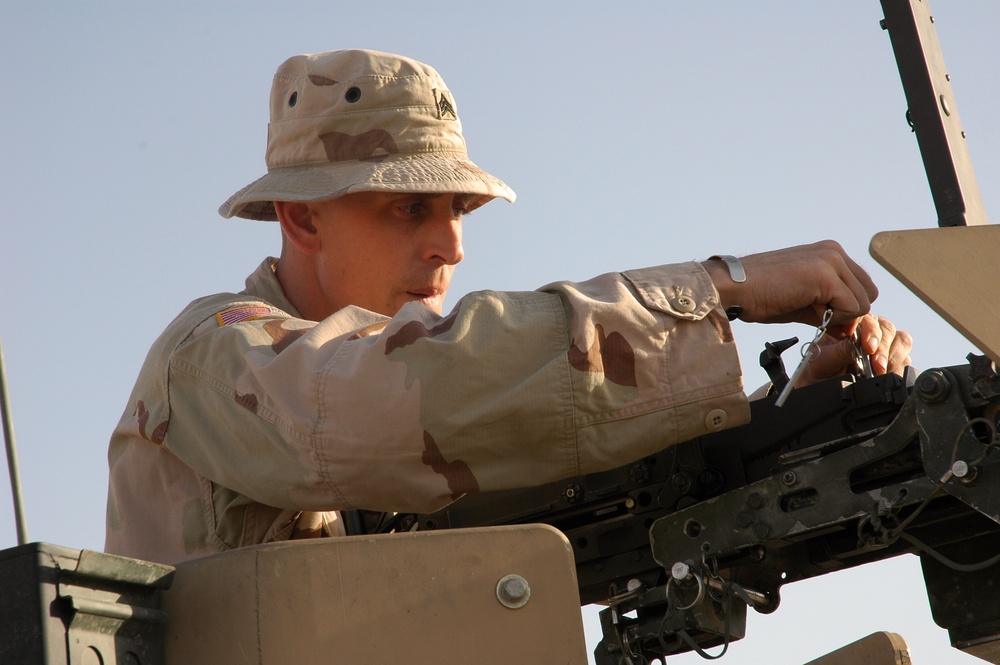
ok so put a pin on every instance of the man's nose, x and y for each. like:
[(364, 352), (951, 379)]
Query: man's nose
[(443, 241)]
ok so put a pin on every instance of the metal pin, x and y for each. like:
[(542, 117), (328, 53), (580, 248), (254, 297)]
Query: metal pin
[(863, 360), (809, 351)]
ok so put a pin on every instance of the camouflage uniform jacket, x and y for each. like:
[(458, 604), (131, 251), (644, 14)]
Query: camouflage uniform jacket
[(249, 424)]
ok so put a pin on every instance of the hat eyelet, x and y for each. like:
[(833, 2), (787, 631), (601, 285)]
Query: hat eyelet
[(293, 99), (352, 95)]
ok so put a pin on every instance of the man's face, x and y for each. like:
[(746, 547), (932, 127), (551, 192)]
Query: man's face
[(381, 250)]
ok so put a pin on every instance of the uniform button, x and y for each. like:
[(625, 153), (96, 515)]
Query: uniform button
[(716, 420), (684, 304)]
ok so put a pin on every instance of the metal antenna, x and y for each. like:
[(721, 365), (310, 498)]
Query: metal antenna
[(8, 437)]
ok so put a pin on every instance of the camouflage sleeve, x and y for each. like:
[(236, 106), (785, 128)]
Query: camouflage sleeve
[(508, 390)]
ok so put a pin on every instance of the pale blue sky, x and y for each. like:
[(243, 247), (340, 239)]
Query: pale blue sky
[(635, 133)]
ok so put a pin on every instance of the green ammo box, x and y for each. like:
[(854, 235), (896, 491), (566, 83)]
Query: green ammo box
[(60, 606)]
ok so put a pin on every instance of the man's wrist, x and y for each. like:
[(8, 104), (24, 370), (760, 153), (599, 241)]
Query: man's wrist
[(726, 272), (733, 266)]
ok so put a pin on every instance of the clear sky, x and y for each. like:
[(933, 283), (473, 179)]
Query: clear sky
[(635, 133)]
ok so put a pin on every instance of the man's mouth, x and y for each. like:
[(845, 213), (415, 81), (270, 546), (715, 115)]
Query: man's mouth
[(430, 296), (429, 289)]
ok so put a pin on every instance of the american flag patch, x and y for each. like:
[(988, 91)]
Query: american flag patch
[(248, 313)]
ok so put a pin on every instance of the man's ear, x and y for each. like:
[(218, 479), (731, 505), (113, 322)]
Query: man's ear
[(296, 221)]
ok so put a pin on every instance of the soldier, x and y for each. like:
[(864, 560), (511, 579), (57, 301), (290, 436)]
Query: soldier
[(334, 380)]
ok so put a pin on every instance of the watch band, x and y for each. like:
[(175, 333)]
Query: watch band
[(733, 265), (737, 274)]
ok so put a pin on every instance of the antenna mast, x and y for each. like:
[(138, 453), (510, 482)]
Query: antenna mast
[(8, 437)]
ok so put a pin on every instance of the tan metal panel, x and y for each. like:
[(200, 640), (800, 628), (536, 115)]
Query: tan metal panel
[(955, 270), (877, 649), (426, 597)]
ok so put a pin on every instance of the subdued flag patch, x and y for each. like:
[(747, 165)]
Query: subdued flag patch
[(246, 313)]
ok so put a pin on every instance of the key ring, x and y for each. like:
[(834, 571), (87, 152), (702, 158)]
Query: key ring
[(809, 351)]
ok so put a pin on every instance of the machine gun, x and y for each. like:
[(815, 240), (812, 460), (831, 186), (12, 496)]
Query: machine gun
[(679, 544)]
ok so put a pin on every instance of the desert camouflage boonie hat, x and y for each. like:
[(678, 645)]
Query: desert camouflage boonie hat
[(355, 120)]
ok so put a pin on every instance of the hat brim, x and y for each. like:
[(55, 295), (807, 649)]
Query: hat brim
[(430, 172)]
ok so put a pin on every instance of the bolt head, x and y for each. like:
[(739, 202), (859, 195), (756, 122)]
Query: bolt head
[(933, 386), (681, 482), (680, 571), (513, 591)]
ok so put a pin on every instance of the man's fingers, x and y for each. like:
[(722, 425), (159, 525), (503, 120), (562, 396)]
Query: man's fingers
[(853, 288), (886, 337), (864, 279), (898, 356), (888, 349), (831, 361), (869, 331)]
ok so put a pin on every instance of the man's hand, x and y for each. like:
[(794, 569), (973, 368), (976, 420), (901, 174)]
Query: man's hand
[(798, 284), (888, 349)]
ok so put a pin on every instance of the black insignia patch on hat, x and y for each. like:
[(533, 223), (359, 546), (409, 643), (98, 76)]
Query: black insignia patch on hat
[(446, 110)]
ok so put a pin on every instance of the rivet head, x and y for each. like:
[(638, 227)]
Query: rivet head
[(960, 469), (944, 105), (572, 493), (513, 591)]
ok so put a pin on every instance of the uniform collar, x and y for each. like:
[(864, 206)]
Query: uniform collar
[(263, 283)]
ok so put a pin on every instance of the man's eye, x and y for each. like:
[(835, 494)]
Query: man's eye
[(461, 205), (413, 208)]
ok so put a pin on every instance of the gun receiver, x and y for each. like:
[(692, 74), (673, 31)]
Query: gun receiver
[(849, 472)]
